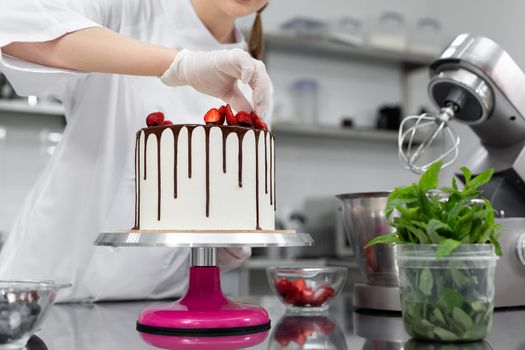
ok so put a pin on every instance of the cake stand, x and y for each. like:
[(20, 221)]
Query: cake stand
[(204, 310)]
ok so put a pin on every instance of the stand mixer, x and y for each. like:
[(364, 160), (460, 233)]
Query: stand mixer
[(475, 82), (204, 311)]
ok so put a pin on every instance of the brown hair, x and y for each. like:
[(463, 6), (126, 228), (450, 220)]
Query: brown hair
[(256, 40)]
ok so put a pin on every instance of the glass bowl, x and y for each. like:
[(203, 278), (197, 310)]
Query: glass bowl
[(23, 307), (306, 289)]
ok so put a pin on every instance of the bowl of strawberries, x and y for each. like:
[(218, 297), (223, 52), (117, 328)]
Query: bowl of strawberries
[(306, 289)]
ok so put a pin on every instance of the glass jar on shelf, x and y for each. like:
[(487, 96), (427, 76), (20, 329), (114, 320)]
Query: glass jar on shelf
[(305, 101)]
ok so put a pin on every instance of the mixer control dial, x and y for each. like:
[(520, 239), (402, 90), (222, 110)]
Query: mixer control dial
[(520, 248)]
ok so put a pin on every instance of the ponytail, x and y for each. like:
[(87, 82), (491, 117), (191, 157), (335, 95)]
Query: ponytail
[(256, 40)]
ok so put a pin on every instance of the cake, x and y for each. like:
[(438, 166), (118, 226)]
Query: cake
[(204, 177)]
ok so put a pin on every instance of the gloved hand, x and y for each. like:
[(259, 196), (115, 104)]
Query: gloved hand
[(230, 258), (216, 73)]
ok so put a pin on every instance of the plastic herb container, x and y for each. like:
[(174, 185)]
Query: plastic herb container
[(449, 298)]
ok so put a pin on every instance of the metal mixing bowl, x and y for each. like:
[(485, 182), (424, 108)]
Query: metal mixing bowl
[(363, 219), (23, 307)]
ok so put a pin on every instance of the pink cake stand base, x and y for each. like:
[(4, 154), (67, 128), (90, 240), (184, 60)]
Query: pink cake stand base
[(233, 342), (203, 312)]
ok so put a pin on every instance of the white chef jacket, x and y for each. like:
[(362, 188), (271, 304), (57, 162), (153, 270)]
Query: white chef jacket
[(88, 185)]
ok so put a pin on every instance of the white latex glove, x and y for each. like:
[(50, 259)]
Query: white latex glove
[(216, 73), (231, 258)]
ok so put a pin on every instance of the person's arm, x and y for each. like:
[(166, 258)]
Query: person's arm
[(96, 50), (214, 73)]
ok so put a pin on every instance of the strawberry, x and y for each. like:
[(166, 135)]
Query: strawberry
[(212, 116), (222, 112), (300, 284), (292, 297), (283, 286), (244, 118), (155, 119), (230, 117), (321, 295), (258, 123), (329, 287), (306, 296), (167, 122)]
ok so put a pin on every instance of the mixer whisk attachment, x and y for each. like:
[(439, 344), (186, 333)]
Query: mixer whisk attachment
[(417, 133)]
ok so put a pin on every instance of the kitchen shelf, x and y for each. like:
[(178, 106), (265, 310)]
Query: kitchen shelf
[(331, 132), (21, 106), (329, 48)]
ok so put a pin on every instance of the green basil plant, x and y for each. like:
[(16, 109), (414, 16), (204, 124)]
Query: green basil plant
[(455, 301)]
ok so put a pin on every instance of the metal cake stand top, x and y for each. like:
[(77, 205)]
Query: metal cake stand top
[(204, 238)]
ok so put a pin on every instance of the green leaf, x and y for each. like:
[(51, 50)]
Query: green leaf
[(445, 335), (489, 218), (383, 239), (459, 278), (454, 184), (450, 298), (478, 306), (466, 173), (427, 324), (497, 246), (446, 247), (439, 315), (419, 233), (475, 231), (425, 282), (456, 209), (482, 178), (485, 235), (429, 179), (432, 230), (428, 207), (462, 318), (463, 225), (399, 197)]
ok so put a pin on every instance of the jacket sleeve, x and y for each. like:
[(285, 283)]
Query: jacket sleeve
[(44, 20)]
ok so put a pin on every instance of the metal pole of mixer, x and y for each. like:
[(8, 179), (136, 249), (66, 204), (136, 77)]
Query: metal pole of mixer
[(203, 257)]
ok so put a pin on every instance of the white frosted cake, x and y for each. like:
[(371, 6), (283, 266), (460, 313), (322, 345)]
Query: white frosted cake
[(204, 177)]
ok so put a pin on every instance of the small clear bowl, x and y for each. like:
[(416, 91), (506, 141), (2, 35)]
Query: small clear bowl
[(306, 289), (23, 307)]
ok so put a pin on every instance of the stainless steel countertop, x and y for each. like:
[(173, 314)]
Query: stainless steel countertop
[(112, 326)]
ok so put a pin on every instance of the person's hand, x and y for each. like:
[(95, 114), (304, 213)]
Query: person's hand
[(216, 73), (230, 258)]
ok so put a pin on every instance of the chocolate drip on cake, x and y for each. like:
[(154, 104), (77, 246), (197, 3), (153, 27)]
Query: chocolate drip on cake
[(137, 181), (274, 182), (257, 133), (175, 131), (207, 138), (271, 171), (145, 153), (190, 133), (224, 137), (157, 131), (241, 137), (265, 162), (159, 193), (226, 131)]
